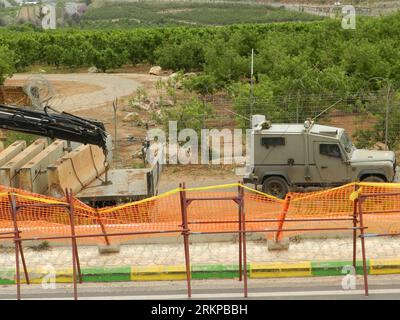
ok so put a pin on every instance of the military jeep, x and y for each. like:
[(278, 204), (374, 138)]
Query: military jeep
[(287, 156)]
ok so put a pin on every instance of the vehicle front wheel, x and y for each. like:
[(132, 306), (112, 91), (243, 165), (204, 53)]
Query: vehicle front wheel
[(373, 179), (275, 186)]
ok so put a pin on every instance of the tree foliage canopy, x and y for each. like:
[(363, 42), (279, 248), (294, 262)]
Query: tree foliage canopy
[(7, 63)]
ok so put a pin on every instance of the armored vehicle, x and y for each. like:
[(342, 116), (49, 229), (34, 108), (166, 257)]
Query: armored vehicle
[(286, 156)]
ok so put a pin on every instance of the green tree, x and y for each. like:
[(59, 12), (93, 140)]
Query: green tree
[(263, 101), (190, 114), (225, 63), (73, 57), (203, 84), (185, 56), (53, 54), (376, 132), (7, 63), (107, 59)]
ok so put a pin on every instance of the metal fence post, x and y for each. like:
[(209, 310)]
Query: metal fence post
[(75, 259), (282, 218), (244, 244), (185, 234), (18, 246), (365, 271), (355, 222), (240, 233), (103, 228)]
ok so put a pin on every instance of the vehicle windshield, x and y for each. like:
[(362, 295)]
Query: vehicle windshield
[(346, 142)]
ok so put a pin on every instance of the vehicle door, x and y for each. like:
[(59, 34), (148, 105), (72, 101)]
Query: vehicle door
[(331, 162)]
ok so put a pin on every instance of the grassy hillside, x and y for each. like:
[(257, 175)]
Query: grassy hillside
[(113, 15)]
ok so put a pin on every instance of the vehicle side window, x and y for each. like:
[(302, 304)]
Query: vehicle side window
[(272, 141), (330, 150)]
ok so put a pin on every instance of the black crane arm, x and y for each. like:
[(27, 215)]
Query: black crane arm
[(54, 125)]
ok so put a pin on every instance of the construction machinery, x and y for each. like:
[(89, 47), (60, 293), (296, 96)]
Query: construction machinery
[(55, 125), (76, 156)]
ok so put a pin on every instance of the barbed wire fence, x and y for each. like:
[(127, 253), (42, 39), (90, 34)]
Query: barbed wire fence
[(368, 117), (371, 119)]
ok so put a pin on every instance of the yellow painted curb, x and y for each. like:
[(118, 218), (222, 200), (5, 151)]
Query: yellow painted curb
[(38, 275), (384, 266), (156, 273), (280, 270)]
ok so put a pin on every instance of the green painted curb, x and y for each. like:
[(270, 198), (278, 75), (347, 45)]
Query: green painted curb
[(106, 274), (216, 271), (7, 277), (335, 268), (204, 271)]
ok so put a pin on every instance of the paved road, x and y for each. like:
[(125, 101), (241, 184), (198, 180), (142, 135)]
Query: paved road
[(381, 287)]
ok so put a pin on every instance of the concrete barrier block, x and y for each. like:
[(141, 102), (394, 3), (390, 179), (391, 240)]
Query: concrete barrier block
[(33, 175), (278, 245), (12, 151), (76, 170), (9, 172), (111, 248)]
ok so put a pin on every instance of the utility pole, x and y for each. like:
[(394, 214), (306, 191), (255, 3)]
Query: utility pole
[(115, 106), (387, 113), (251, 85)]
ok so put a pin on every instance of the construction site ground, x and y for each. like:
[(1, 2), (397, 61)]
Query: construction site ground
[(91, 95)]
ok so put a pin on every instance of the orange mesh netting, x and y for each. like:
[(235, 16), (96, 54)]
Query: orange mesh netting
[(211, 212)]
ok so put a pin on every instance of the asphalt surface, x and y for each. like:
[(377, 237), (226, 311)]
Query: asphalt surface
[(323, 288)]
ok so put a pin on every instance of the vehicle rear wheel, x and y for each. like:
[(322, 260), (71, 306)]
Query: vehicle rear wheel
[(275, 186), (373, 179)]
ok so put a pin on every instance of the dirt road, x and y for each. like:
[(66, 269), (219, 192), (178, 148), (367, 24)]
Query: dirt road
[(79, 91)]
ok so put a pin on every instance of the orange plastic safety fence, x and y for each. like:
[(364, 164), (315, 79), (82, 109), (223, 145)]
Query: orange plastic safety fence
[(381, 207), (210, 209)]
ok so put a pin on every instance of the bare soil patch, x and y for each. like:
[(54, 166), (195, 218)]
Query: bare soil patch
[(64, 88)]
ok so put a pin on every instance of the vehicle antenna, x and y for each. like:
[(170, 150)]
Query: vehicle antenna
[(325, 110), (236, 114)]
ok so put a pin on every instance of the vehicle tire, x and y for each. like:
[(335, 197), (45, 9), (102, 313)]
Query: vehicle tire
[(275, 186), (373, 179)]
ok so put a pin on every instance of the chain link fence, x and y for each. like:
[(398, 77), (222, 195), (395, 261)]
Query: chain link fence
[(369, 118)]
